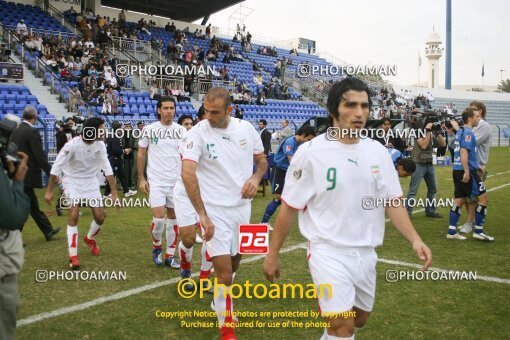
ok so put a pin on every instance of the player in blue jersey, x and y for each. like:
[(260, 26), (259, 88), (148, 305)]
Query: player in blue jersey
[(404, 166), (468, 183), (282, 158)]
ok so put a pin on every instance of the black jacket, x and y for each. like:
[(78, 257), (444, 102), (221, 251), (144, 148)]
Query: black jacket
[(114, 147), (29, 141), (266, 141)]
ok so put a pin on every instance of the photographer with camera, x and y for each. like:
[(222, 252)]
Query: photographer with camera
[(65, 132), (422, 156), (28, 140), (13, 215)]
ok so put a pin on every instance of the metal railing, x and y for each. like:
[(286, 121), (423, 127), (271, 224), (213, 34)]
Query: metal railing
[(201, 86), (64, 36), (161, 82), (55, 13)]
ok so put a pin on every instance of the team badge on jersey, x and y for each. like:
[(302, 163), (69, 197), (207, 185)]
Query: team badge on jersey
[(244, 143), (288, 148), (189, 146), (468, 138), (376, 172), (97, 154), (297, 174)]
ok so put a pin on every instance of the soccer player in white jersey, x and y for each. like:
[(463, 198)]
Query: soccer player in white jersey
[(188, 221), (80, 160), (329, 184), (217, 172), (159, 142)]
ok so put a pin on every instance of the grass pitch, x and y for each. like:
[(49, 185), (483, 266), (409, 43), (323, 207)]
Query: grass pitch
[(405, 309)]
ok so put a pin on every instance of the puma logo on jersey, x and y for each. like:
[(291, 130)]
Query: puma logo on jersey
[(353, 161)]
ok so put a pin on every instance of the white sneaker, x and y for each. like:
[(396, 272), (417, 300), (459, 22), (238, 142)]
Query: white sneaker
[(107, 196), (455, 236), (198, 239), (466, 228), (130, 193), (483, 236), (268, 226)]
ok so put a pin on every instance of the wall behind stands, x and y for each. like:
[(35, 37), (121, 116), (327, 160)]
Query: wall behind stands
[(442, 93)]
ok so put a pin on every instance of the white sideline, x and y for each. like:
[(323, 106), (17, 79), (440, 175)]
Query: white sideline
[(126, 293), (135, 291)]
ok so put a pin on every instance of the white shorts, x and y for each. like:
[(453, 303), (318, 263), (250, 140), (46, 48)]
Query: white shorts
[(351, 274), (226, 232), (160, 196), (81, 190), (184, 210)]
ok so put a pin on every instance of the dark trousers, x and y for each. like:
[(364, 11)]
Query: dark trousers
[(39, 217), (128, 165), (118, 172)]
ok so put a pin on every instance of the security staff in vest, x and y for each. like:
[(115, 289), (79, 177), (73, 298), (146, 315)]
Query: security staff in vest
[(422, 156), (13, 215)]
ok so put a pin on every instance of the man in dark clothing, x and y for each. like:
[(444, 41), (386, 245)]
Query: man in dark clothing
[(129, 146), (28, 141), (265, 135), (115, 150)]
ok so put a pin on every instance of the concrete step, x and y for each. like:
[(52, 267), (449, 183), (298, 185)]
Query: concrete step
[(43, 93)]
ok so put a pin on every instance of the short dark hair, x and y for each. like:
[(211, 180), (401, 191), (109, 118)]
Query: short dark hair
[(201, 112), (163, 99), (139, 122), (263, 121), (182, 118), (338, 90), (93, 122), (306, 130), (407, 164), (384, 120), (468, 113)]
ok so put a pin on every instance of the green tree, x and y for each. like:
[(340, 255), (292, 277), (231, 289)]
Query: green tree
[(504, 86)]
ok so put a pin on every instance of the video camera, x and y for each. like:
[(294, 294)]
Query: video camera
[(8, 150), (420, 120)]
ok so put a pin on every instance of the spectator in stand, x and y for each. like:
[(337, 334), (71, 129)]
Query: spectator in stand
[(260, 98), (21, 28), (74, 98), (122, 19)]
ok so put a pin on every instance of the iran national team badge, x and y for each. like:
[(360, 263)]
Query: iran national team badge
[(189, 146), (244, 143), (97, 154), (376, 173), (253, 238), (297, 174), (468, 138)]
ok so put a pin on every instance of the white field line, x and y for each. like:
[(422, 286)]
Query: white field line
[(135, 291)]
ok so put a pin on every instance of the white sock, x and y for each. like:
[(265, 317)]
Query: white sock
[(224, 306), (94, 230), (158, 224), (172, 233), (72, 240), (186, 255)]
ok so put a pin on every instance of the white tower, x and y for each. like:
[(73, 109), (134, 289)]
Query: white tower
[(433, 51)]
